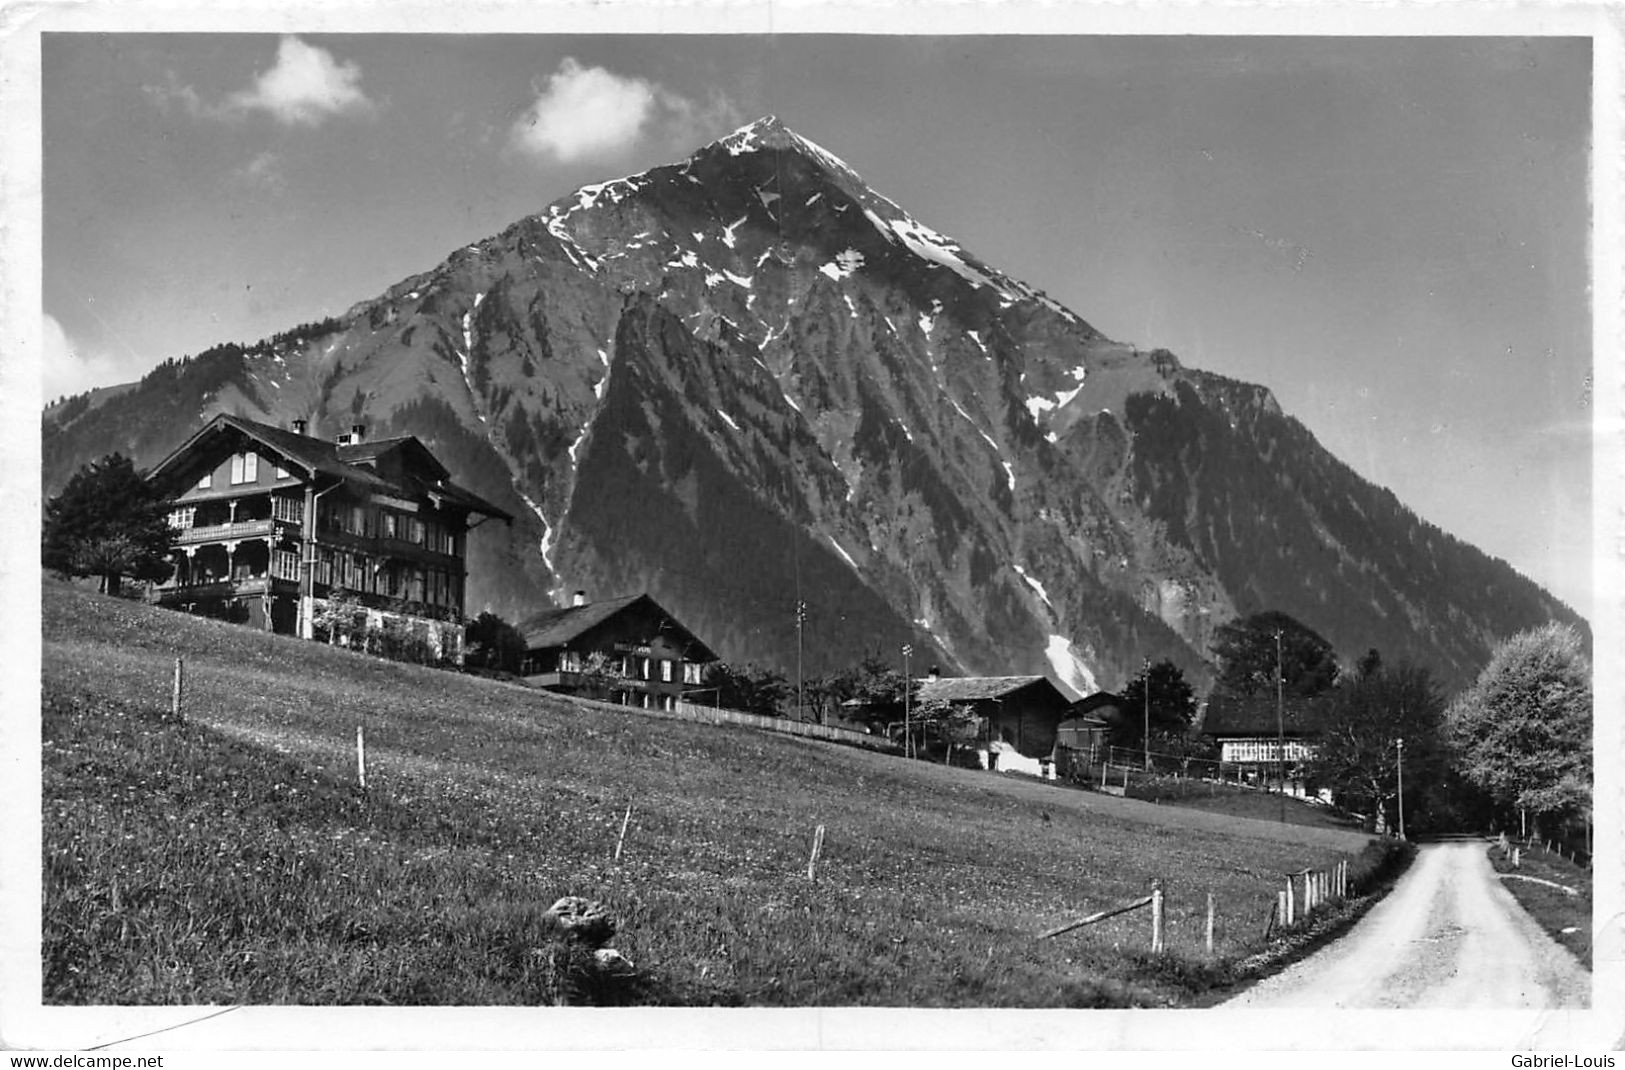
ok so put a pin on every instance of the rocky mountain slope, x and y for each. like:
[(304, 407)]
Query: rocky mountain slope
[(747, 381)]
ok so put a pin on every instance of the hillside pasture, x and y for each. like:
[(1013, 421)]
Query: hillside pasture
[(231, 858)]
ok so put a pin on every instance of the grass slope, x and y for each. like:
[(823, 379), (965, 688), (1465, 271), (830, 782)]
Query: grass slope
[(1565, 918), (232, 859)]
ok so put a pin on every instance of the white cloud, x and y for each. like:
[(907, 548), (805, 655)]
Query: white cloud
[(67, 368), (591, 113), (305, 87), (584, 113)]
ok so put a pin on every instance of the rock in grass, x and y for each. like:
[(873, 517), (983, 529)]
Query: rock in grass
[(585, 920), (612, 963)]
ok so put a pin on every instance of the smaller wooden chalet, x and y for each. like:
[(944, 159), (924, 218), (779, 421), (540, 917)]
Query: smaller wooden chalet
[(1088, 724), (271, 524), (1020, 711), (1250, 733), (627, 650)]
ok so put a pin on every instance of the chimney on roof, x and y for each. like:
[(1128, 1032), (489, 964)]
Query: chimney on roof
[(580, 599), (299, 427), (934, 675)]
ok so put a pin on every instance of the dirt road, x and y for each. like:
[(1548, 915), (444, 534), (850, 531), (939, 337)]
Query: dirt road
[(1447, 936)]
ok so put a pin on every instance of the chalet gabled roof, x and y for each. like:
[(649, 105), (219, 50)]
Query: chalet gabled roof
[(973, 688), (559, 627), (1234, 716), (318, 457)]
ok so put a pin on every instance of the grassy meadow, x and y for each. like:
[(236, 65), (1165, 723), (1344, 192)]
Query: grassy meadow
[(232, 858)]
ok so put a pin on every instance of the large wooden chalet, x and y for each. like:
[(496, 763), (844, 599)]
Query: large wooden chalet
[(627, 650), (270, 523)]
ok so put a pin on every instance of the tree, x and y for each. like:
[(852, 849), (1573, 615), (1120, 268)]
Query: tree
[(493, 643), (1522, 730), (1172, 705), (748, 687), (107, 522), (1246, 652), (1363, 720), (875, 682)]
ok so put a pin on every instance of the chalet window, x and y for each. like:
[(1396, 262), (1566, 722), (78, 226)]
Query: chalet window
[(245, 468), (570, 661), (416, 529), (206, 481), (647, 668), (691, 672), (389, 524), (281, 472), (665, 671)]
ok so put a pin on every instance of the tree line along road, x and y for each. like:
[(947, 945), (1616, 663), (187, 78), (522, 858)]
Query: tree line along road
[(1448, 936)]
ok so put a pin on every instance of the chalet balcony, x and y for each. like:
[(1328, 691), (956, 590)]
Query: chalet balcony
[(215, 588)]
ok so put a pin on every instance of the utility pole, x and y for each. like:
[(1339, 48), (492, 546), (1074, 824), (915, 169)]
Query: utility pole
[(801, 618), (1280, 726), (908, 685), (1399, 745), (1145, 740)]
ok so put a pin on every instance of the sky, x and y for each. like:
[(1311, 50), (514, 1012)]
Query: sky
[(1390, 233)]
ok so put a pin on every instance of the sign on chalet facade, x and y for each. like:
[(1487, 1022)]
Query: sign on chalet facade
[(629, 650), (270, 524)]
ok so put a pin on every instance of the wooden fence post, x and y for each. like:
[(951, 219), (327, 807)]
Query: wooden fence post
[(1280, 908), (624, 822), (361, 757), (1156, 915), (175, 696), (818, 842), (1210, 923), (1291, 903)]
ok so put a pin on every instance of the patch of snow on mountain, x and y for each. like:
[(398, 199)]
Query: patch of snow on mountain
[(1034, 584), (814, 199), (788, 400), (699, 236), (1051, 437), (767, 198), (971, 420), (413, 296), (939, 249), (926, 323), (712, 280), (1038, 406), (547, 531), (1009, 474), (854, 308), (602, 384), (1072, 672), (845, 263), (976, 337), (729, 420), (738, 280), (576, 445), (728, 237), (842, 551)]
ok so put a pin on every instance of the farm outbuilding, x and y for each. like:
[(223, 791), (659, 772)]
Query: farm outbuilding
[(1021, 711)]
